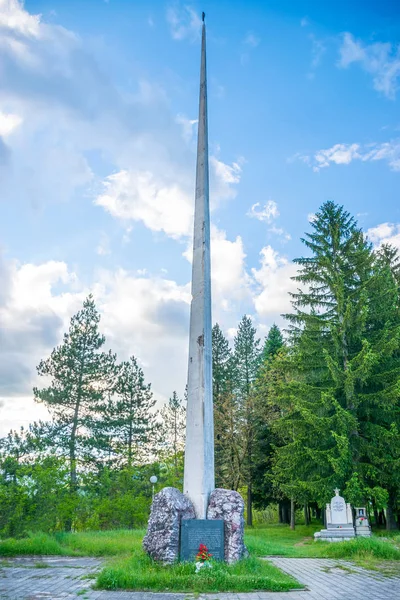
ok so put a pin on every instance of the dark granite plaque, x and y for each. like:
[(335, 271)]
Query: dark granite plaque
[(201, 531)]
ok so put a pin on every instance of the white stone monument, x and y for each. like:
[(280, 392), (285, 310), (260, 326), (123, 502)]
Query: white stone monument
[(200, 501), (363, 528), (199, 451), (339, 521)]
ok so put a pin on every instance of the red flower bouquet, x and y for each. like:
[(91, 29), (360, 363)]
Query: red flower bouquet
[(203, 553)]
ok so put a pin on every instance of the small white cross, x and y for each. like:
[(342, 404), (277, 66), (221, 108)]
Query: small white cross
[(336, 490)]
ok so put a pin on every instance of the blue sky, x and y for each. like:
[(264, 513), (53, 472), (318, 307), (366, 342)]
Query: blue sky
[(98, 108)]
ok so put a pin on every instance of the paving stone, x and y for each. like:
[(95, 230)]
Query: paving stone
[(324, 579)]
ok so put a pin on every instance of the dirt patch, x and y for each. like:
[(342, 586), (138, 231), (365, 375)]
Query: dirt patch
[(304, 541)]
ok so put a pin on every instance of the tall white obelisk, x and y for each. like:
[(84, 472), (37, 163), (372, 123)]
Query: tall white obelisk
[(199, 450)]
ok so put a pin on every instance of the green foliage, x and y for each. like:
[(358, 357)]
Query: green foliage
[(335, 408), (173, 433), (128, 426), (226, 426), (273, 344), (80, 377), (293, 420), (141, 573)]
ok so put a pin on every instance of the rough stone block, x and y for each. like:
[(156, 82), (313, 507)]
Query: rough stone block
[(161, 541), (229, 506)]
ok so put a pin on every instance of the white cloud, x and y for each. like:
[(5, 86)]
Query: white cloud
[(340, 154), (304, 22), (37, 302), (266, 213), (279, 231), (318, 49), (71, 111), (103, 247), (273, 284), (385, 233), (140, 196), (223, 179), (344, 154), (8, 122), (33, 316), (14, 18), (164, 202), (251, 40), (184, 22), (188, 127), (229, 279), (381, 60)]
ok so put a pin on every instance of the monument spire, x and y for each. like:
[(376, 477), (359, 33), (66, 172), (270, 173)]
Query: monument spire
[(199, 450)]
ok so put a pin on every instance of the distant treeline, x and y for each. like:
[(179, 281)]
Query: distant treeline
[(314, 408)]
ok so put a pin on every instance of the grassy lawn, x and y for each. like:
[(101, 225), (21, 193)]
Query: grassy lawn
[(138, 572), (279, 540), (128, 567)]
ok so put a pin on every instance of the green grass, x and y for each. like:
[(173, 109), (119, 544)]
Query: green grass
[(128, 567), (102, 543), (36, 544), (280, 540), (141, 573)]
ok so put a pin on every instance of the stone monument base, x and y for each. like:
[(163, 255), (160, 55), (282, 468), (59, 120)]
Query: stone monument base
[(163, 538), (161, 541), (363, 530), (229, 506), (335, 533)]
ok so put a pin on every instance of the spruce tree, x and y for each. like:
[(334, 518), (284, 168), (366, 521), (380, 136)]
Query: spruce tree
[(273, 343), (343, 329), (225, 463), (264, 440)]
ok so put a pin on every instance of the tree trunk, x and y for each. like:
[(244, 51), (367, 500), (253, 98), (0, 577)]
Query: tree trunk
[(280, 512), (382, 518), (391, 512), (318, 513), (249, 506), (306, 514), (309, 514), (285, 512), (376, 514), (292, 515)]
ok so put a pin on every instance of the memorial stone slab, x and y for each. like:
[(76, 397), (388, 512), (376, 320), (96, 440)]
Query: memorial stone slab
[(339, 521), (201, 531), (363, 528)]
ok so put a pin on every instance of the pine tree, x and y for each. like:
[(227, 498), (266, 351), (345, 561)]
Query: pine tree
[(80, 378), (131, 422), (173, 425), (246, 361)]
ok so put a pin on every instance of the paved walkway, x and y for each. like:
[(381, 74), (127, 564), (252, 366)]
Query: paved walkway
[(61, 578)]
